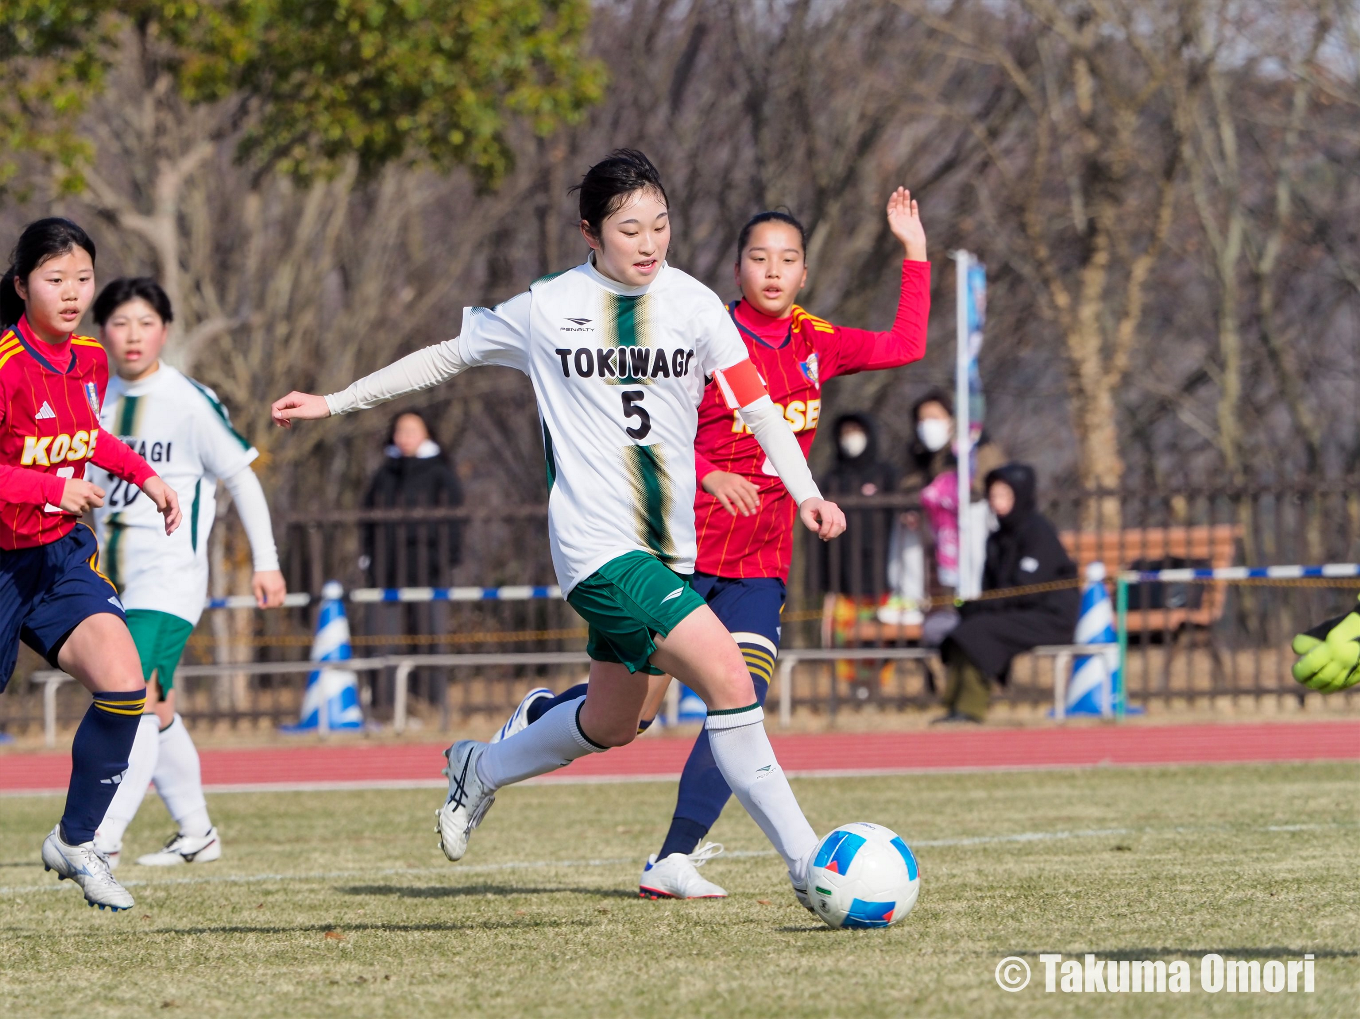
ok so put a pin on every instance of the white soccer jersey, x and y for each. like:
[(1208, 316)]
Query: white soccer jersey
[(619, 373), (180, 428)]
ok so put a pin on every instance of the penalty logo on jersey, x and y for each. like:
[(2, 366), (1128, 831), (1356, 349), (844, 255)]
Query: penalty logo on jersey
[(809, 368), (92, 394)]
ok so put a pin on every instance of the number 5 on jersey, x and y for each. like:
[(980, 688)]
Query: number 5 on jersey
[(632, 408)]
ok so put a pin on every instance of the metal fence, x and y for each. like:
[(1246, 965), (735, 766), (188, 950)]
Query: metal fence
[(1188, 643)]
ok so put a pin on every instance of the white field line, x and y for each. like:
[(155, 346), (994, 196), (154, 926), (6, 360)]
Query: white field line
[(491, 868)]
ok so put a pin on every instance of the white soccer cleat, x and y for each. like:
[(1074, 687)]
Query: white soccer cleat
[(468, 800), (181, 848), (519, 718), (87, 867), (677, 876)]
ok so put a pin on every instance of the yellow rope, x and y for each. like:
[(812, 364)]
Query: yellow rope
[(398, 639)]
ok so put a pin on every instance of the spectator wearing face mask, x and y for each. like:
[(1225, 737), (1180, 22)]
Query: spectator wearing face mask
[(856, 573), (932, 478), (931, 452), (1024, 551)]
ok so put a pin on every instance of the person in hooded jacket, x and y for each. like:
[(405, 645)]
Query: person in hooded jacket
[(413, 475), (1025, 550), (855, 569), (856, 564)]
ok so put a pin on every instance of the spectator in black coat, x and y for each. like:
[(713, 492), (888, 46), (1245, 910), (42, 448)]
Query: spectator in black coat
[(859, 472), (1025, 550), (414, 475)]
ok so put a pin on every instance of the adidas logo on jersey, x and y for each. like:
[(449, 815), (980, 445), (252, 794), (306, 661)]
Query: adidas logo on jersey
[(44, 412)]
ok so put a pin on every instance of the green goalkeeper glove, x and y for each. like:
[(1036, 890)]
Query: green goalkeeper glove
[(1329, 654)]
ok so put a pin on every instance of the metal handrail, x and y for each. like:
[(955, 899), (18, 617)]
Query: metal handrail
[(404, 665)]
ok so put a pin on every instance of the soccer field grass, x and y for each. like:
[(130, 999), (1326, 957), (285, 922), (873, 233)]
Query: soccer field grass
[(340, 903)]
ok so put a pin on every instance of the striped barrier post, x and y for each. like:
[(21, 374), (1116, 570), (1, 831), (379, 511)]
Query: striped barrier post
[(331, 700)]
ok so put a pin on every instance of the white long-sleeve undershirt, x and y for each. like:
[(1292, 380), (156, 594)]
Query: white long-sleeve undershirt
[(253, 509), (776, 438), (428, 367), (423, 369)]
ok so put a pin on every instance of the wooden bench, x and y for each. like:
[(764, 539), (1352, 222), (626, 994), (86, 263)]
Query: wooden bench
[(1215, 544)]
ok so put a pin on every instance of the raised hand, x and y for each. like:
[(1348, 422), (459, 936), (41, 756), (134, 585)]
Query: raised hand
[(904, 220), (299, 407)]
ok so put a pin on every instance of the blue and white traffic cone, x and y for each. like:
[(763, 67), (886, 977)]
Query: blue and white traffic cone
[(332, 697), (1090, 691)]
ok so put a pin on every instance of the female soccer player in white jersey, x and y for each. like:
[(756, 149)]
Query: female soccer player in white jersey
[(181, 427), (618, 350)]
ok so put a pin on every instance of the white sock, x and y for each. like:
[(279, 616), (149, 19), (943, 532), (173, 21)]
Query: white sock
[(127, 798), (553, 742), (743, 754), (179, 779)]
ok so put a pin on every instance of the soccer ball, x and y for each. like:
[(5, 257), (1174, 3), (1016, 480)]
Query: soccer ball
[(863, 875)]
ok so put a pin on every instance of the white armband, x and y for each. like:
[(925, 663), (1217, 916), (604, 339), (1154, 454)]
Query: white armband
[(253, 510), (424, 369), (776, 438)]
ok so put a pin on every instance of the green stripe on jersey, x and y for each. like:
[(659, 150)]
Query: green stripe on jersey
[(112, 558), (549, 457), (550, 276), (127, 415), (220, 411), (627, 323), (193, 515), (653, 495)]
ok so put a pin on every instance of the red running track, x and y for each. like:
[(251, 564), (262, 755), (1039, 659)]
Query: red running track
[(375, 765)]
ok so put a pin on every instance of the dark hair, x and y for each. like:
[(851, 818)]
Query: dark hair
[(41, 240), (607, 185), (770, 216), (130, 288), (932, 396), (420, 415)]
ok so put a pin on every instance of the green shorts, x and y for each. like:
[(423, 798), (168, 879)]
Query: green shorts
[(627, 601), (160, 639)]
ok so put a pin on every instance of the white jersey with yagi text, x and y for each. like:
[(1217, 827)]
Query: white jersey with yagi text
[(619, 372), (182, 430)]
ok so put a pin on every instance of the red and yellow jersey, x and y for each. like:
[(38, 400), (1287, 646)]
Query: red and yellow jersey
[(50, 395), (794, 356)]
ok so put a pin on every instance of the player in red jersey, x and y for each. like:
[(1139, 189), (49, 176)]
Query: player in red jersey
[(743, 512), (52, 595)]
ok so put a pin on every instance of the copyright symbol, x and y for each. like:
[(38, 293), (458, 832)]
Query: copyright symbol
[(1012, 973)]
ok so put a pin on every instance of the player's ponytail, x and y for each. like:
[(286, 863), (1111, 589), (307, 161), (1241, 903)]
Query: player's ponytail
[(41, 240), (607, 185)]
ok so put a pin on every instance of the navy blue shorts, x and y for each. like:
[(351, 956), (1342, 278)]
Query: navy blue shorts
[(46, 592), (745, 605)]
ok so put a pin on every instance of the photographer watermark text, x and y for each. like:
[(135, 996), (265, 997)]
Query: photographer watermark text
[(1093, 975)]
